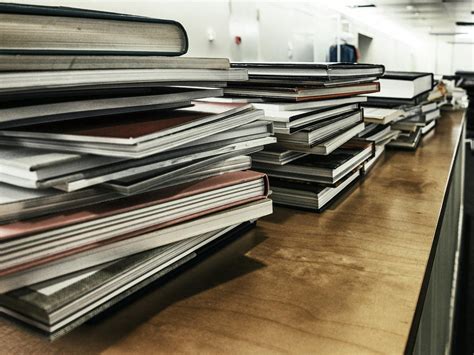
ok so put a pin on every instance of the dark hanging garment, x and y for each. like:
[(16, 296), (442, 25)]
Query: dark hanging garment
[(348, 53)]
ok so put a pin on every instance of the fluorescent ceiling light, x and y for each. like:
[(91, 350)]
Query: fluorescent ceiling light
[(447, 33), (362, 6)]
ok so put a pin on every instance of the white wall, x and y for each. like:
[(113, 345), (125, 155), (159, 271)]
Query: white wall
[(287, 31), (463, 57)]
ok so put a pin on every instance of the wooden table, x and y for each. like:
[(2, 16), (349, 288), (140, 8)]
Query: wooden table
[(345, 281)]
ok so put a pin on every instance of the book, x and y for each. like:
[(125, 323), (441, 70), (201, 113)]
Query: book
[(32, 62), (274, 154), (404, 85), (301, 93), (289, 122), (431, 125), (395, 102), (125, 247), (321, 131), (412, 122), (323, 169), (304, 81), (379, 134), (380, 115), (406, 140), (65, 30), (38, 164), (303, 121), (428, 106), (136, 167), (55, 221), (431, 115), (135, 135), (271, 106), (369, 164), (309, 196), (327, 147), (42, 240), (308, 70), (17, 203), (34, 82), (133, 185), (63, 109), (55, 307), (37, 168), (175, 175)]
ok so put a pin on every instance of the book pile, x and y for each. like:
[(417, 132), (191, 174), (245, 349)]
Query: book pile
[(110, 175), (465, 80), (404, 98), (316, 114)]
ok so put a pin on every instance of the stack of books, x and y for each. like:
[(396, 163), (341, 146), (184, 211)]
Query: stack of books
[(110, 174), (465, 80), (405, 95), (316, 113), (378, 129)]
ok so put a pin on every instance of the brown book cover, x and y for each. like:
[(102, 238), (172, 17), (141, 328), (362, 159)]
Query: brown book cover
[(42, 224), (131, 126), (137, 233), (296, 93)]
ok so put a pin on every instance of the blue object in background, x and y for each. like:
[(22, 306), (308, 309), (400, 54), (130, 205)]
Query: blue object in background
[(348, 53)]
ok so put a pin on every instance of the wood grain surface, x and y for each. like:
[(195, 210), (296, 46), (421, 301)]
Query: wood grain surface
[(345, 281)]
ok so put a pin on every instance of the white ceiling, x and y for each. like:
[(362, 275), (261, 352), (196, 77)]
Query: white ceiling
[(437, 17)]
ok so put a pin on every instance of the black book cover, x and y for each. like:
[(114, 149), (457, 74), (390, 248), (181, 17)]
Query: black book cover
[(306, 65), (402, 75), (392, 103), (324, 109), (315, 188), (407, 141), (333, 160), (326, 122)]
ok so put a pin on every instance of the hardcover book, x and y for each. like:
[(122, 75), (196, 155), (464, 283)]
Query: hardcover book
[(308, 70), (81, 259), (62, 109), (301, 93), (134, 135), (322, 169), (59, 305), (309, 195), (59, 30), (404, 85)]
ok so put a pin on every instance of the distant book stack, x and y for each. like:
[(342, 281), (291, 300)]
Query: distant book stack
[(378, 130), (465, 80), (402, 88), (315, 111), (407, 94), (110, 174)]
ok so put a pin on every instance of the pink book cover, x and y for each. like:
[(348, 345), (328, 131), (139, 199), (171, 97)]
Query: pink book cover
[(243, 176), (134, 125), (58, 220), (78, 250)]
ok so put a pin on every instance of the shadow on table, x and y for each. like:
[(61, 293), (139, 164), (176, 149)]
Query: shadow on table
[(215, 267)]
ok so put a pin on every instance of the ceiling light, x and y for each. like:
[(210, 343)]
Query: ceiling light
[(362, 6), (410, 7), (447, 33)]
